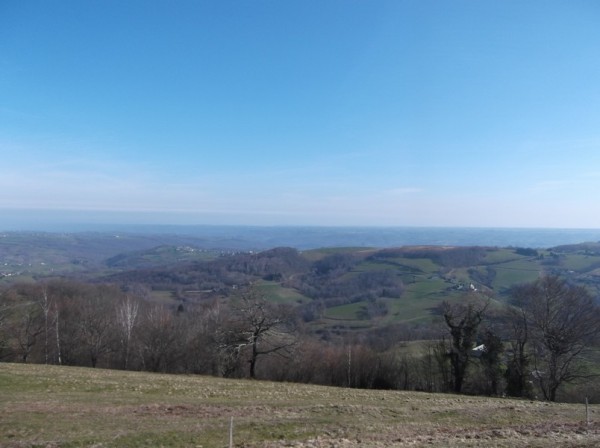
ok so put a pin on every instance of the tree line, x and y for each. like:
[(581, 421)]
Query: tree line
[(539, 344)]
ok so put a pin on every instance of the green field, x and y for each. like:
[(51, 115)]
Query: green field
[(351, 311), (427, 282), (274, 292), (50, 406)]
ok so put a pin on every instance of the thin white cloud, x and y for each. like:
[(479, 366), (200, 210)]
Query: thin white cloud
[(579, 185)]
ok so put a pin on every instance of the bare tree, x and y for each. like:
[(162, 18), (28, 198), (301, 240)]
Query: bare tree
[(4, 310), (57, 334), (564, 322), (67, 297), (259, 328), (6, 307), (46, 305), (159, 339), (434, 367), (463, 322), (24, 319), (518, 370), (491, 360), (96, 324), (28, 328), (202, 337), (127, 314)]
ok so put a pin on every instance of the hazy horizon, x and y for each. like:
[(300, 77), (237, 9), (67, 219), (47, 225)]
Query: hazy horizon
[(72, 220), (37, 217), (247, 237)]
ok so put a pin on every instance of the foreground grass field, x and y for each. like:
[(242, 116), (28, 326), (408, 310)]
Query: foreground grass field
[(49, 406)]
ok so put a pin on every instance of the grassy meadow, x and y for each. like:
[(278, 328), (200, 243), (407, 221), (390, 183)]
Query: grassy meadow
[(51, 406)]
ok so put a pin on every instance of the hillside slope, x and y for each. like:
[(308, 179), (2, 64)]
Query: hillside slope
[(60, 406)]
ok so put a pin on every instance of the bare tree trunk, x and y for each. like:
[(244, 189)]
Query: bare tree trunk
[(127, 313), (254, 356), (45, 304), (58, 352), (463, 322)]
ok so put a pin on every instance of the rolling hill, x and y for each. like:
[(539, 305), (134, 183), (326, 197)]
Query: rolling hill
[(361, 288), (352, 288)]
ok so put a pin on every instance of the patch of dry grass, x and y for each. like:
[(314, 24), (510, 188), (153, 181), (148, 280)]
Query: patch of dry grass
[(50, 406)]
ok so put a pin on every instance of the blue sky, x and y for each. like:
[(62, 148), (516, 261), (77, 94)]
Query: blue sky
[(399, 113)]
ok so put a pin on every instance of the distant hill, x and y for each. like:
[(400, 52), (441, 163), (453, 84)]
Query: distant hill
[(29, 255), (159, 256), (343, 287), (363, 288)]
